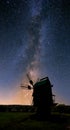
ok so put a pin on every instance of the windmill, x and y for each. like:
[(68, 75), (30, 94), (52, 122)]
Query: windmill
[(42, 96)]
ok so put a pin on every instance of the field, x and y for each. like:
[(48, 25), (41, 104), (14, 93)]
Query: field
[(25, 121)]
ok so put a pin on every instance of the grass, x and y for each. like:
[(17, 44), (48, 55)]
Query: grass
[(22, 121)]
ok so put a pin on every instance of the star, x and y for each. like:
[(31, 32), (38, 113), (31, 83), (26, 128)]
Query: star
[(8, 2)]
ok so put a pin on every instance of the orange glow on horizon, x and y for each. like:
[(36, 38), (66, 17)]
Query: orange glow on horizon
[(20, 97)]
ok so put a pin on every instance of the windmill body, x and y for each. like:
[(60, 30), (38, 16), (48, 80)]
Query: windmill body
[(42, 97)]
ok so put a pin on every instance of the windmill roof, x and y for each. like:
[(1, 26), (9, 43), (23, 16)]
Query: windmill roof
[(43, 81)]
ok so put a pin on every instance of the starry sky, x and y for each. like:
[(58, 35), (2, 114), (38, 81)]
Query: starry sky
[(34, 39)]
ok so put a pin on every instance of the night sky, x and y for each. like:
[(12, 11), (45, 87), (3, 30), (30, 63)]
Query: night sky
[(34, 39)]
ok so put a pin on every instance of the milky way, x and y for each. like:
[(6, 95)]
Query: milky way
[(34, 38)]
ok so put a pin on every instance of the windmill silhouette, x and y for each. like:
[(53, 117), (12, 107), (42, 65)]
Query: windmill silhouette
[(42, 96)]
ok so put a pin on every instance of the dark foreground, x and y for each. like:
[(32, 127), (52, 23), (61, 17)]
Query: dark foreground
[(27, 121)]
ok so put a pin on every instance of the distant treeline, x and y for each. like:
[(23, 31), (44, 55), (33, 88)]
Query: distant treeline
[(27, 108), (16, 108), (61, 108)]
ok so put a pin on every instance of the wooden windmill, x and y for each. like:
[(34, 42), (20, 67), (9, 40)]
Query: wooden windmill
[(42, 96)]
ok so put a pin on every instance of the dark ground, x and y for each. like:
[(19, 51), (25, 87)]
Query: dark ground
[(28, 121), (19, 117)]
